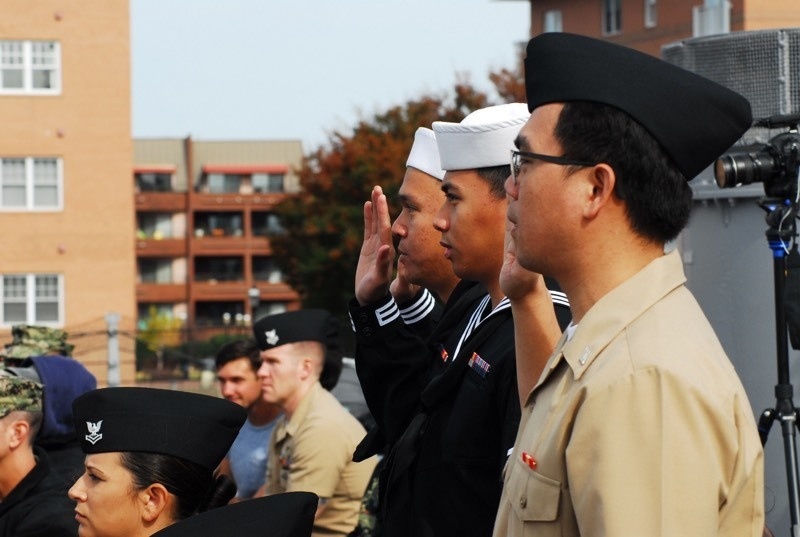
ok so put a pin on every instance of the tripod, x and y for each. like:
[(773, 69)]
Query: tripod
[(781, 217)]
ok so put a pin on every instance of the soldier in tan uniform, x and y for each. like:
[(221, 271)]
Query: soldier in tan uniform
[(312, 446), (638, 424)]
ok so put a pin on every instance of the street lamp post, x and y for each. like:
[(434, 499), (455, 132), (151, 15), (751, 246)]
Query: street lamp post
[(254, 296)]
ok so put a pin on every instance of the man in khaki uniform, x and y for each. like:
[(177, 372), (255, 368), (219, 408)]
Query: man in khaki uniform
[(312, 445), (638, 424)]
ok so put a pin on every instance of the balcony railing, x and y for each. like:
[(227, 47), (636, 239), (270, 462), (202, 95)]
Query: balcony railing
[(161, 247), (161, 201), (230, 245), (227, 200), (161, 292)]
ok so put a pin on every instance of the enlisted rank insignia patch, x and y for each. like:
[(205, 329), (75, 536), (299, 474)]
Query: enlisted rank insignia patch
[(443, 353), (272, 336), (479, 365), (94, 432)]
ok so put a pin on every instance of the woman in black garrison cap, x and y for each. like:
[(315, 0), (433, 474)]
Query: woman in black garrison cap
[(151, 457)]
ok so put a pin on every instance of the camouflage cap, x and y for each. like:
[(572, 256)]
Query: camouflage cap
[(29, 341), (17, 393)]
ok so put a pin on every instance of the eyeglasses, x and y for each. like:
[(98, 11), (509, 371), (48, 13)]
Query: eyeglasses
[(518, 156)]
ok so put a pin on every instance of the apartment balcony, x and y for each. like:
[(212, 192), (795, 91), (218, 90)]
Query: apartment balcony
[(161, 292), (260, 246), (210, 201), (237, 291), (167, 202), (217, 290), (277, 292), (161, 247), (226, 245)]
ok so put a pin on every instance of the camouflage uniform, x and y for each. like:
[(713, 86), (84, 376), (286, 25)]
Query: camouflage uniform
[(368, 522), (29, 341), (19, 394)]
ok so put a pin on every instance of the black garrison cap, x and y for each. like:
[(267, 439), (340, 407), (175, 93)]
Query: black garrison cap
[(290, 514), (694, 119), (195, 427), (292, 327)]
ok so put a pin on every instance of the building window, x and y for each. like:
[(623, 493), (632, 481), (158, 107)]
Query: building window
[(155, 270), (265, 269), (32, 299), (650, 13), (30, 67), (552, 21), (711, 18), (218, 269), (266, 224), (268, 182), (30, 183), (153, 182), (219, 183), (219, 313), (612, 17), (154, 226), (218, 224)]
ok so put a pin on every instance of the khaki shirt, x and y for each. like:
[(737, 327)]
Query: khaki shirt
[(638, 426), (313, 452)]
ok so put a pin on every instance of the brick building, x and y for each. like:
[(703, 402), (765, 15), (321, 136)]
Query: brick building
[(66, 198), (99, 229), (646, 25), (204, 221)]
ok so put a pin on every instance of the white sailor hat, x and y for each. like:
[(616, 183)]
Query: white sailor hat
[(483, 139), (424, 154)]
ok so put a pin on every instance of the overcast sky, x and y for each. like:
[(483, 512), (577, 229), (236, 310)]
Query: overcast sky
[(298, 69)]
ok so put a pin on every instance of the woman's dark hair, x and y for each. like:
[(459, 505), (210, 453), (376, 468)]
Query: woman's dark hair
[(657, 196), (194, 486), (496, 177)]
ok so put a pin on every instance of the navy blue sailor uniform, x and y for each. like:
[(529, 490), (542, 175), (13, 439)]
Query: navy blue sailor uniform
[(394, 356), (38, 504), (447, 407)]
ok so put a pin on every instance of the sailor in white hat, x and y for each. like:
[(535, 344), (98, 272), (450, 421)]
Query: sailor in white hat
[(446, 400), (423, 283)]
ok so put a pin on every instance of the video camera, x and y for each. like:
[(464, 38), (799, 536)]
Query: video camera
[(775, 164)]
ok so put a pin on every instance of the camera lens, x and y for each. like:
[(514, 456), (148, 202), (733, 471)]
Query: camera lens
[(735, 169)]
